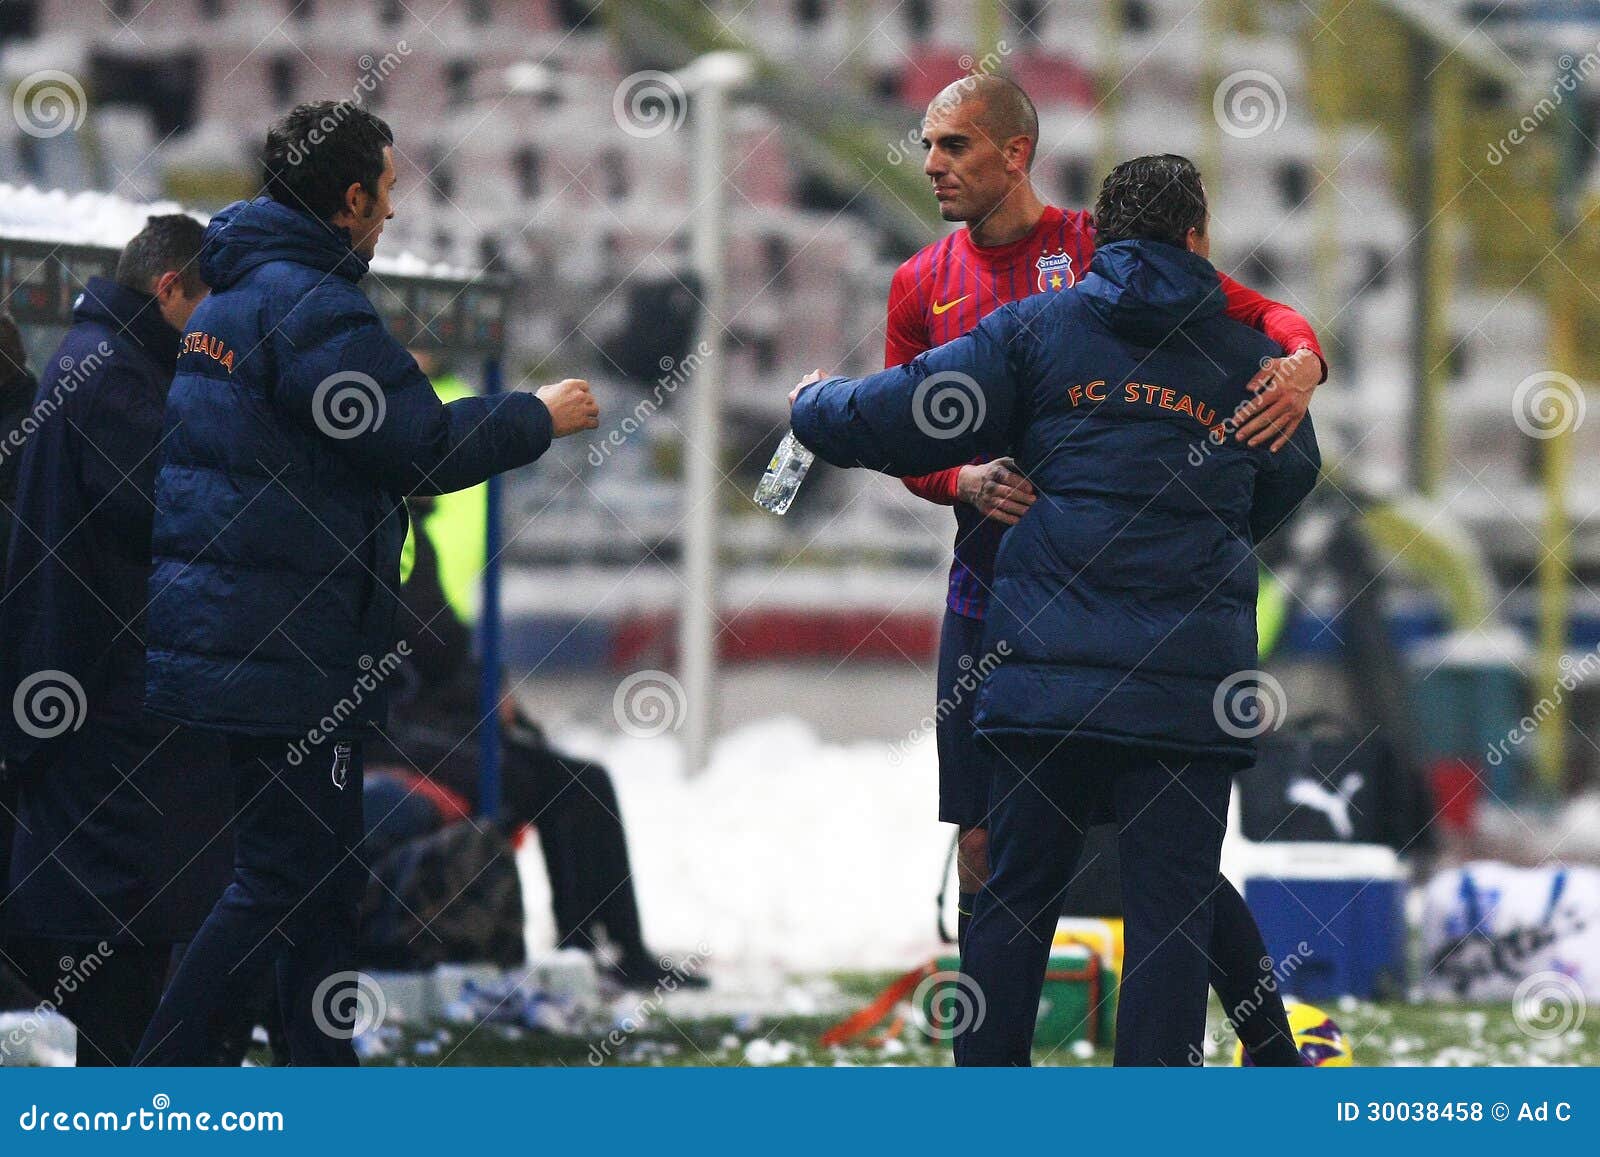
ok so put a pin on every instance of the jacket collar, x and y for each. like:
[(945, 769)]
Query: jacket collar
[(130, 312), (248, 234), (1144, 290)]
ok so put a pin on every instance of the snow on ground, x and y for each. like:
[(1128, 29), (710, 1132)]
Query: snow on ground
[(787, 854)]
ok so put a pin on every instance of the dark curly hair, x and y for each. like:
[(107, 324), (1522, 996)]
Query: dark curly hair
[(316, 151), (1155, 198)]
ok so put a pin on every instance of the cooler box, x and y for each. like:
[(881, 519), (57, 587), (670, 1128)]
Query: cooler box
[(1332, 916), (1079, 1001), (1101, 936)]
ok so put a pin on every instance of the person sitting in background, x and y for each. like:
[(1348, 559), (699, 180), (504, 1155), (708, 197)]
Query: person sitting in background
[(434, 722)]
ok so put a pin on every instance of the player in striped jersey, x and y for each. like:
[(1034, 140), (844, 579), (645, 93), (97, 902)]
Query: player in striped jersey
[(981, 135)]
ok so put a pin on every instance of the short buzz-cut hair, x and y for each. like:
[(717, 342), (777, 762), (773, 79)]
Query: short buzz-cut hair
[(1007, 110), (1154, 198), (168, 243), (316, 151)]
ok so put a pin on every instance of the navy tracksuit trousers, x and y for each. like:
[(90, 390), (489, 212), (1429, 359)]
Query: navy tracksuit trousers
[(1170, 814), (293, 904)]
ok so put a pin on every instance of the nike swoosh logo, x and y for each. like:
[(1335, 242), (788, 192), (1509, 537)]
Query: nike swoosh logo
[(944, 307)]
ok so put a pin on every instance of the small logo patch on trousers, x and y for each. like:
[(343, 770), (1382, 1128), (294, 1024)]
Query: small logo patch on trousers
[(341, 764)]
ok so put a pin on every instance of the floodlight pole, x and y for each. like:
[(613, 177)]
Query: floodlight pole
[(708, 80)]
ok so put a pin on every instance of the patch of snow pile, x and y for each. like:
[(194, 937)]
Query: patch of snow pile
[(42, 1039), (761, 1052), (786, 854), (1578, 827), (91, 218), (86, 218)]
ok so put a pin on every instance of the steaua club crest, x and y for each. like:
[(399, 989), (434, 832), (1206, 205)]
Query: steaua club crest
[(1055, 271)]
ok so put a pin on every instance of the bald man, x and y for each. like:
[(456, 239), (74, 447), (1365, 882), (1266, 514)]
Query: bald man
[(981, 137)]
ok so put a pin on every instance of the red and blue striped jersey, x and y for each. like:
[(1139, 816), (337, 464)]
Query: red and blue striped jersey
[(942, 292)]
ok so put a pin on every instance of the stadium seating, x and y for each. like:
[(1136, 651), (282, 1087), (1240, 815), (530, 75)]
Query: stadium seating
[(1311, 211)]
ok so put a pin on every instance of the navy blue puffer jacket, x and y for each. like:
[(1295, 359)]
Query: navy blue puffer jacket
[(1125, 598), (79, 560), (294, 428)]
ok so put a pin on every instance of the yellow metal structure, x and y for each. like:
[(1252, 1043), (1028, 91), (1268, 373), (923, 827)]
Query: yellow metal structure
[(1478, 146)]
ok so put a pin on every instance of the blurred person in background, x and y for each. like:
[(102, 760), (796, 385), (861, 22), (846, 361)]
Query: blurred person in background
[(981, 136), (455, 522), (121, 844), (433, 732), (297, 425), (1124, 598)]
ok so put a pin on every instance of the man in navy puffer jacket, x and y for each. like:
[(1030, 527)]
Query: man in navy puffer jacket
[(296, 426), (1122, 626), (120, 847)]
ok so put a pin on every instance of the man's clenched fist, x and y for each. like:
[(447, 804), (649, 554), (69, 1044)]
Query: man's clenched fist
[(572, 407)]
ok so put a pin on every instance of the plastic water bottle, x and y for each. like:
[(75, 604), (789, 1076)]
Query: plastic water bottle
[(785, 472)]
